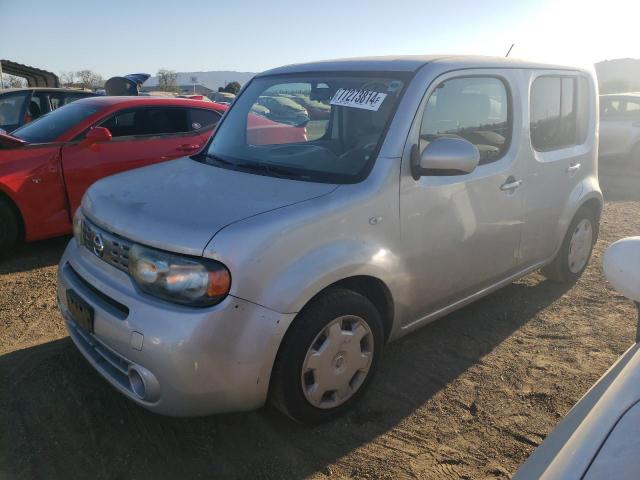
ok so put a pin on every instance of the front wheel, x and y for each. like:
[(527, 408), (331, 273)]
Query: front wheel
[(328, 357), (576, 249)]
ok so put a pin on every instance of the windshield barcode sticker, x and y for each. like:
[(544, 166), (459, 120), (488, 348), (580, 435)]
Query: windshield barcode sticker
[(352, 97)]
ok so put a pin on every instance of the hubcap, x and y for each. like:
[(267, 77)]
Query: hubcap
[(337, 362), (580, 246)]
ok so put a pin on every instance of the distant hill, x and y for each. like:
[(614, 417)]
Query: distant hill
[(620, 75), (213, 80)]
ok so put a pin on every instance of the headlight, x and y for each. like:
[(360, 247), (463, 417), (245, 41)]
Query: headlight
[(197, 282), (77, 227)]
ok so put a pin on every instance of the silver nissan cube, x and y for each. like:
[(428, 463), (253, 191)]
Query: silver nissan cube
[(338, 206)]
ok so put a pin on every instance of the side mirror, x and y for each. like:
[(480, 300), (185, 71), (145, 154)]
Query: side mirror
[(97, 134), (621, 265), (444, 156)]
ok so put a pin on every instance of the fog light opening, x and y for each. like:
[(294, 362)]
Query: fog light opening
[(137, 383)]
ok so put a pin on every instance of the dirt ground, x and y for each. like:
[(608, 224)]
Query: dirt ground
[(469, 396)]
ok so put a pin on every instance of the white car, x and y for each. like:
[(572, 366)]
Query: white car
[(600, 437), (619, 150)]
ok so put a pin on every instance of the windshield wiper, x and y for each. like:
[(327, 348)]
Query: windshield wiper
[(208, 156), (273, 170)]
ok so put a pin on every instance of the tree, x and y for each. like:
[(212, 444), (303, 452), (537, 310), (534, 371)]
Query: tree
[(11, 81), (167, 80), (232, 87), (89, 79), (67, 79)]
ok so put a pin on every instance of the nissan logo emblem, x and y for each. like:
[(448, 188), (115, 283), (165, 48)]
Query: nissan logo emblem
[(98, 245)]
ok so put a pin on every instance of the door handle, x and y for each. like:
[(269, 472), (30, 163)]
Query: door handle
[(510, 184), (573, 168), (187, 147)]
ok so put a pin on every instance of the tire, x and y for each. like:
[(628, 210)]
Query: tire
[(9, 228), (314, 334), (561, 269)]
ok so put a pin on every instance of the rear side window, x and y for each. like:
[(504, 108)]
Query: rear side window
[(559, 112), (476, 109), (148, 121), (201, 118)]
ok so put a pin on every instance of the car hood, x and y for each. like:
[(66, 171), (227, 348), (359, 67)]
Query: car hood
[(180, 205)]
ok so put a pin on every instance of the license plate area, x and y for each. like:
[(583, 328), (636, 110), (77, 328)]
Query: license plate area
[(81, 312)]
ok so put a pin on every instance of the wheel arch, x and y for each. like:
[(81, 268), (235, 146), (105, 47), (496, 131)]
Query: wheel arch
[(595, 206), (374, 290), (586, 194)]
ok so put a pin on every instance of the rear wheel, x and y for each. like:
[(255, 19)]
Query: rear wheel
[(576, 249), (328, 357), (9, 228)]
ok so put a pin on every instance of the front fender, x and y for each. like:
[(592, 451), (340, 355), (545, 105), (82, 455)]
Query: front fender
[(283, 258), (292, 288)]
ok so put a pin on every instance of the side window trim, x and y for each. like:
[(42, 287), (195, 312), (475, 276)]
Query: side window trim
[(462, 75)]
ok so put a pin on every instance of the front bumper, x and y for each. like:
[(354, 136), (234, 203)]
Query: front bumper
[(191, 361)]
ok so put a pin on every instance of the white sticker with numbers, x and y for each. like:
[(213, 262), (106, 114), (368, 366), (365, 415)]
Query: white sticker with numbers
[(353, 97)]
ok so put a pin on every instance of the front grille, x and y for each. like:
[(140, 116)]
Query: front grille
[(107, 360), (107, 246)]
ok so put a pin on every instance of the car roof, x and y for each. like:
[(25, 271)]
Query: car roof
[(46, 89), (410, 63), (108, 101)]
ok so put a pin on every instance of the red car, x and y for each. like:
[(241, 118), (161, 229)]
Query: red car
[(48, 164)]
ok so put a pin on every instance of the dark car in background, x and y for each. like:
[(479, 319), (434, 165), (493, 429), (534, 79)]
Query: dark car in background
[(22, 105)]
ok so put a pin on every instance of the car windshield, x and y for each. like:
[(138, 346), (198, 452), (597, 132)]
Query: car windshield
[(317, 127), (50, 126)]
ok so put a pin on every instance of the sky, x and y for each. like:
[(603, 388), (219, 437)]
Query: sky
[(118, 37)]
